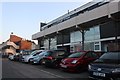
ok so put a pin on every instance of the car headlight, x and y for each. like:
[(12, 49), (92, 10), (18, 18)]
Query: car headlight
[(74, 61), (89, 67), (116, 70)]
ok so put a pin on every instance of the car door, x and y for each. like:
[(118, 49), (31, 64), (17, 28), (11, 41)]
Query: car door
[(87, 59), (41, 55)]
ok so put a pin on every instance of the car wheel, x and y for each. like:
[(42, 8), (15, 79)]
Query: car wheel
[(29, 61), (42, 62), (56, 64)]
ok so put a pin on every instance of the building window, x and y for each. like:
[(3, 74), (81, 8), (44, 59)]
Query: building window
[(89, 46), (97, 46), (76, 36), (92, 34)]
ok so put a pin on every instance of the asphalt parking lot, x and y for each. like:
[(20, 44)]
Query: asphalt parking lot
[(17, 70)]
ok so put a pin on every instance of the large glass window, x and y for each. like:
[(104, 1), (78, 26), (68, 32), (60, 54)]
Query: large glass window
[(76, 36), (92, 34), (53, 43), (46, 44), (63, 38)]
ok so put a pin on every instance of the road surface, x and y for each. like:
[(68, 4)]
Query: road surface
[(17, 70)]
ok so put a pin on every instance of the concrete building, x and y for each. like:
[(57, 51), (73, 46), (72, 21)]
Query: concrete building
[(14, 45), (93, 26), (9, 47)]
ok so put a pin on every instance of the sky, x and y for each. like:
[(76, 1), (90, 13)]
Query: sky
[(23, 18)]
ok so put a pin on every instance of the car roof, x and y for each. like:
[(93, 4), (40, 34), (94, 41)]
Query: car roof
[(84, 51), (39, 50), (56, 50)]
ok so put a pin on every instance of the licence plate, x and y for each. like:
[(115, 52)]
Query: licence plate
[(99, 74), (63, 66)]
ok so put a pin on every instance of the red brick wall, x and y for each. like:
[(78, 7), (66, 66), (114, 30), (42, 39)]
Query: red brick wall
[(26, 45)]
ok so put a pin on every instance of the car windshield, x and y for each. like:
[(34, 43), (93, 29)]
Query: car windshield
[(42, 53), (109, 57), (33, 52), (76, 55), (26, 52), (37, 53)]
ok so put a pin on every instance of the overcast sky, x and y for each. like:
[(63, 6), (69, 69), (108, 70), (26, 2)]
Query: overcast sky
[(23, 18)]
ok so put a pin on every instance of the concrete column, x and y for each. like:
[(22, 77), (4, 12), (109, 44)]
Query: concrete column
[(83, 39), (62, 40), (49, 39)]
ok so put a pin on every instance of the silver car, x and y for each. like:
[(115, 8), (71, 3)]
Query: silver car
[(11, 57), (38, 58), (27, 58)]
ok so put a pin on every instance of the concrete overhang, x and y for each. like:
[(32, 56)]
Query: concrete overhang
[(86, 20), (10, 44)]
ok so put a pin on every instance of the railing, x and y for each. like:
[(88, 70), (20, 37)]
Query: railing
[(11, 44), (10, 51)]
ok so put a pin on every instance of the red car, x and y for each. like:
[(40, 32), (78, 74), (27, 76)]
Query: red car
[(78, 61)]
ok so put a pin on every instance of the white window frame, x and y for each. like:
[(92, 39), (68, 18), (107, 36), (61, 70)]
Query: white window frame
[(97, 43)]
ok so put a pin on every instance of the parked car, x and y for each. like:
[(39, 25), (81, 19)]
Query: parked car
[(37, 59), (16, 57), (11, 57), (24, 53), (106, 67), (100, 53), (78, 61), (52, 58), (27, 58)]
